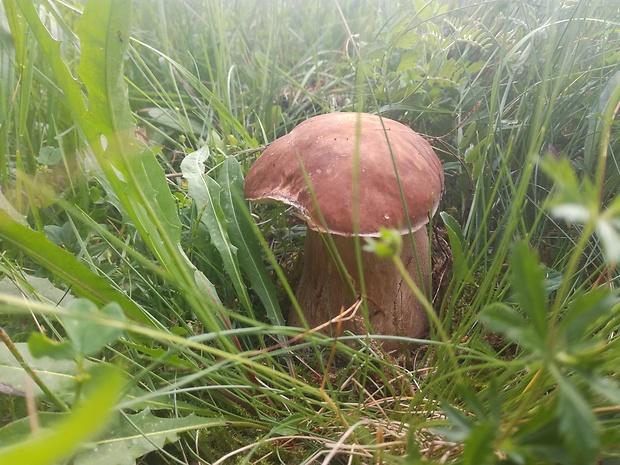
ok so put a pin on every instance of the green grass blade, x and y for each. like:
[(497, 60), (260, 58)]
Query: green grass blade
[(64, 265), (134, 173), (86, 420), (70, 86), (132, 170), (528, 282), (106, 121)]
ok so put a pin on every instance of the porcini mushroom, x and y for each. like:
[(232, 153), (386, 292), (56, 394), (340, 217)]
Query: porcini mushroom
[(351, 174)]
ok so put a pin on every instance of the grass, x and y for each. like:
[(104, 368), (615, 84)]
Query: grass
[(117, 249)]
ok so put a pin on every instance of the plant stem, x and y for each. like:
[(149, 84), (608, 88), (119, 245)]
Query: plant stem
[(33, 375)]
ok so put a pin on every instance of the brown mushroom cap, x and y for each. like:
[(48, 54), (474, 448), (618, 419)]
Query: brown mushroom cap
[(327, 147)]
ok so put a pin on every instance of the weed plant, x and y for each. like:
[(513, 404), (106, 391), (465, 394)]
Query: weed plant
[(143, 301)]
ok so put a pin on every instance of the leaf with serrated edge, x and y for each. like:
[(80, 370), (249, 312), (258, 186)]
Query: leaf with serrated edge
[(132, 436), (241, 234), (504, 319), (205, 192)]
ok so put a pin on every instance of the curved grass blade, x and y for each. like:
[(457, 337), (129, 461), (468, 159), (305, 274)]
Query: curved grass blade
[(86, 420), (64, 265), (106, 121)]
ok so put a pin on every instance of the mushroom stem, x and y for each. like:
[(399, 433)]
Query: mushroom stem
[(325, 289)]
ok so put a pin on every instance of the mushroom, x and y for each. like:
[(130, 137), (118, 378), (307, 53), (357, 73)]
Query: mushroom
[(338, 171)]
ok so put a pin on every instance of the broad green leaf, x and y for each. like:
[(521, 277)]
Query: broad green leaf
[(63, 236), (527, 281), (20, 429), (553, 281), (18, 29), (103, 31), (133, 172), (586, 312), (242, 235), (58, 375), (49, 155), (576, 421), (135, 177), (104, 117), (42, 346), (83, 282), (51, 445), (468, 135), (88, 338), (506, 320), (50, 47), (476, 156), (207, 288), (540, 437), (478, 447), (133, 435), (206, 194), (33, 288)]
